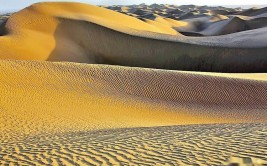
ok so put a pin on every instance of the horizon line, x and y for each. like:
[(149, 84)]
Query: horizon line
[(215, 5)]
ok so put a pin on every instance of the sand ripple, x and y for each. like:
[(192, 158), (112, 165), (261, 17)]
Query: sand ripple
[(65, 113), (174, 145)]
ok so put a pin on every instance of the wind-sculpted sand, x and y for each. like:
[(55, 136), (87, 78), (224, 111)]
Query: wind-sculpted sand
[(173, 145), (89, 34), (44, 98), (120, 104)]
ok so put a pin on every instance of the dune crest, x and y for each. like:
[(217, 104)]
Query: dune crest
[(120, 104), (44, 31), (38, 23)]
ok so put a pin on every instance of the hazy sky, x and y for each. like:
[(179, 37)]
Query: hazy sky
[(6, 5)]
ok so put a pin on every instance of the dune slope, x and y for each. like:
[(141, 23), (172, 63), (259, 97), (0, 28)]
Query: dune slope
[(45, 31), (59, 97), (91, 113), (69, 113)]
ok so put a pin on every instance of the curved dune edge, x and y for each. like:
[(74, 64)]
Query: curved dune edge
[(39, 22), (62, 97), (63, 113), (45, 31)]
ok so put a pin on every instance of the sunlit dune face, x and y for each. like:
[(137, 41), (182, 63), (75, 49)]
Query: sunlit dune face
[(219, 18), (31, 31), (76, 97), (89, 34), (165, 27), (130, 89), (30, 34), (171, 22)]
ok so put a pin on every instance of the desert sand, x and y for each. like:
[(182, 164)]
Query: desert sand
[(133, 85), (108, 37)]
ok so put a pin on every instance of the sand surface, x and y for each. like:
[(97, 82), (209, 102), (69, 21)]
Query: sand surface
[(172, 145), (133, 85), (108, 37), (43, 99)]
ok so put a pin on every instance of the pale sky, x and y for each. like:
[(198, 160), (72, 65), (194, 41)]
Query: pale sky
[(6, 5)]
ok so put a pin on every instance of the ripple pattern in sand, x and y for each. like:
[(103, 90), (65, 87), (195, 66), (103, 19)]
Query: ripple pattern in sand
[(173, 145)]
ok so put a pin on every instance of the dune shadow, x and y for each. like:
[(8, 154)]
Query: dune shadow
[(3, 30), (87, 42)]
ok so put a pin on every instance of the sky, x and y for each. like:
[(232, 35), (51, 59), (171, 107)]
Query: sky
[(8, 5)]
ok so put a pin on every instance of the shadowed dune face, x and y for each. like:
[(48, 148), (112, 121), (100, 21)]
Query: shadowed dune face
[(88, 34), (2, 27), (90, 113), (96, 44), (30, 31)]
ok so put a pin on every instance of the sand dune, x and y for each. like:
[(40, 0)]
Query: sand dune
[(45, 100), (98, 32), (96, 96), (91, 113), (256, 23), (23, 27), (3, 20), (253, 11), (228, 26), (219, 11)]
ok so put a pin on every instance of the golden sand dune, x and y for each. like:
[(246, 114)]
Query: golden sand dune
[(39, 22), (83, 33), (59, 97), (50, 110), (89, 113)]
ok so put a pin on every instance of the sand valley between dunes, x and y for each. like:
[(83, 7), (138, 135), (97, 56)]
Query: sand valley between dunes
[(133, 85)]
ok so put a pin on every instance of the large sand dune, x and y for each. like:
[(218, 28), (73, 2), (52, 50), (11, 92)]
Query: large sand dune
[(100, 96), (89, 34), (110, 108), (44, 98)]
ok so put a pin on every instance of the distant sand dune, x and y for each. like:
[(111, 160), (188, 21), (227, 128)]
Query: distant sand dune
[(97, 35), (253, 11), (112, 106), (232, 25)]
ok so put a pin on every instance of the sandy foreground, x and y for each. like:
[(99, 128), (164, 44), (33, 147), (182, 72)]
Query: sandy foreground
[(133, 85)]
